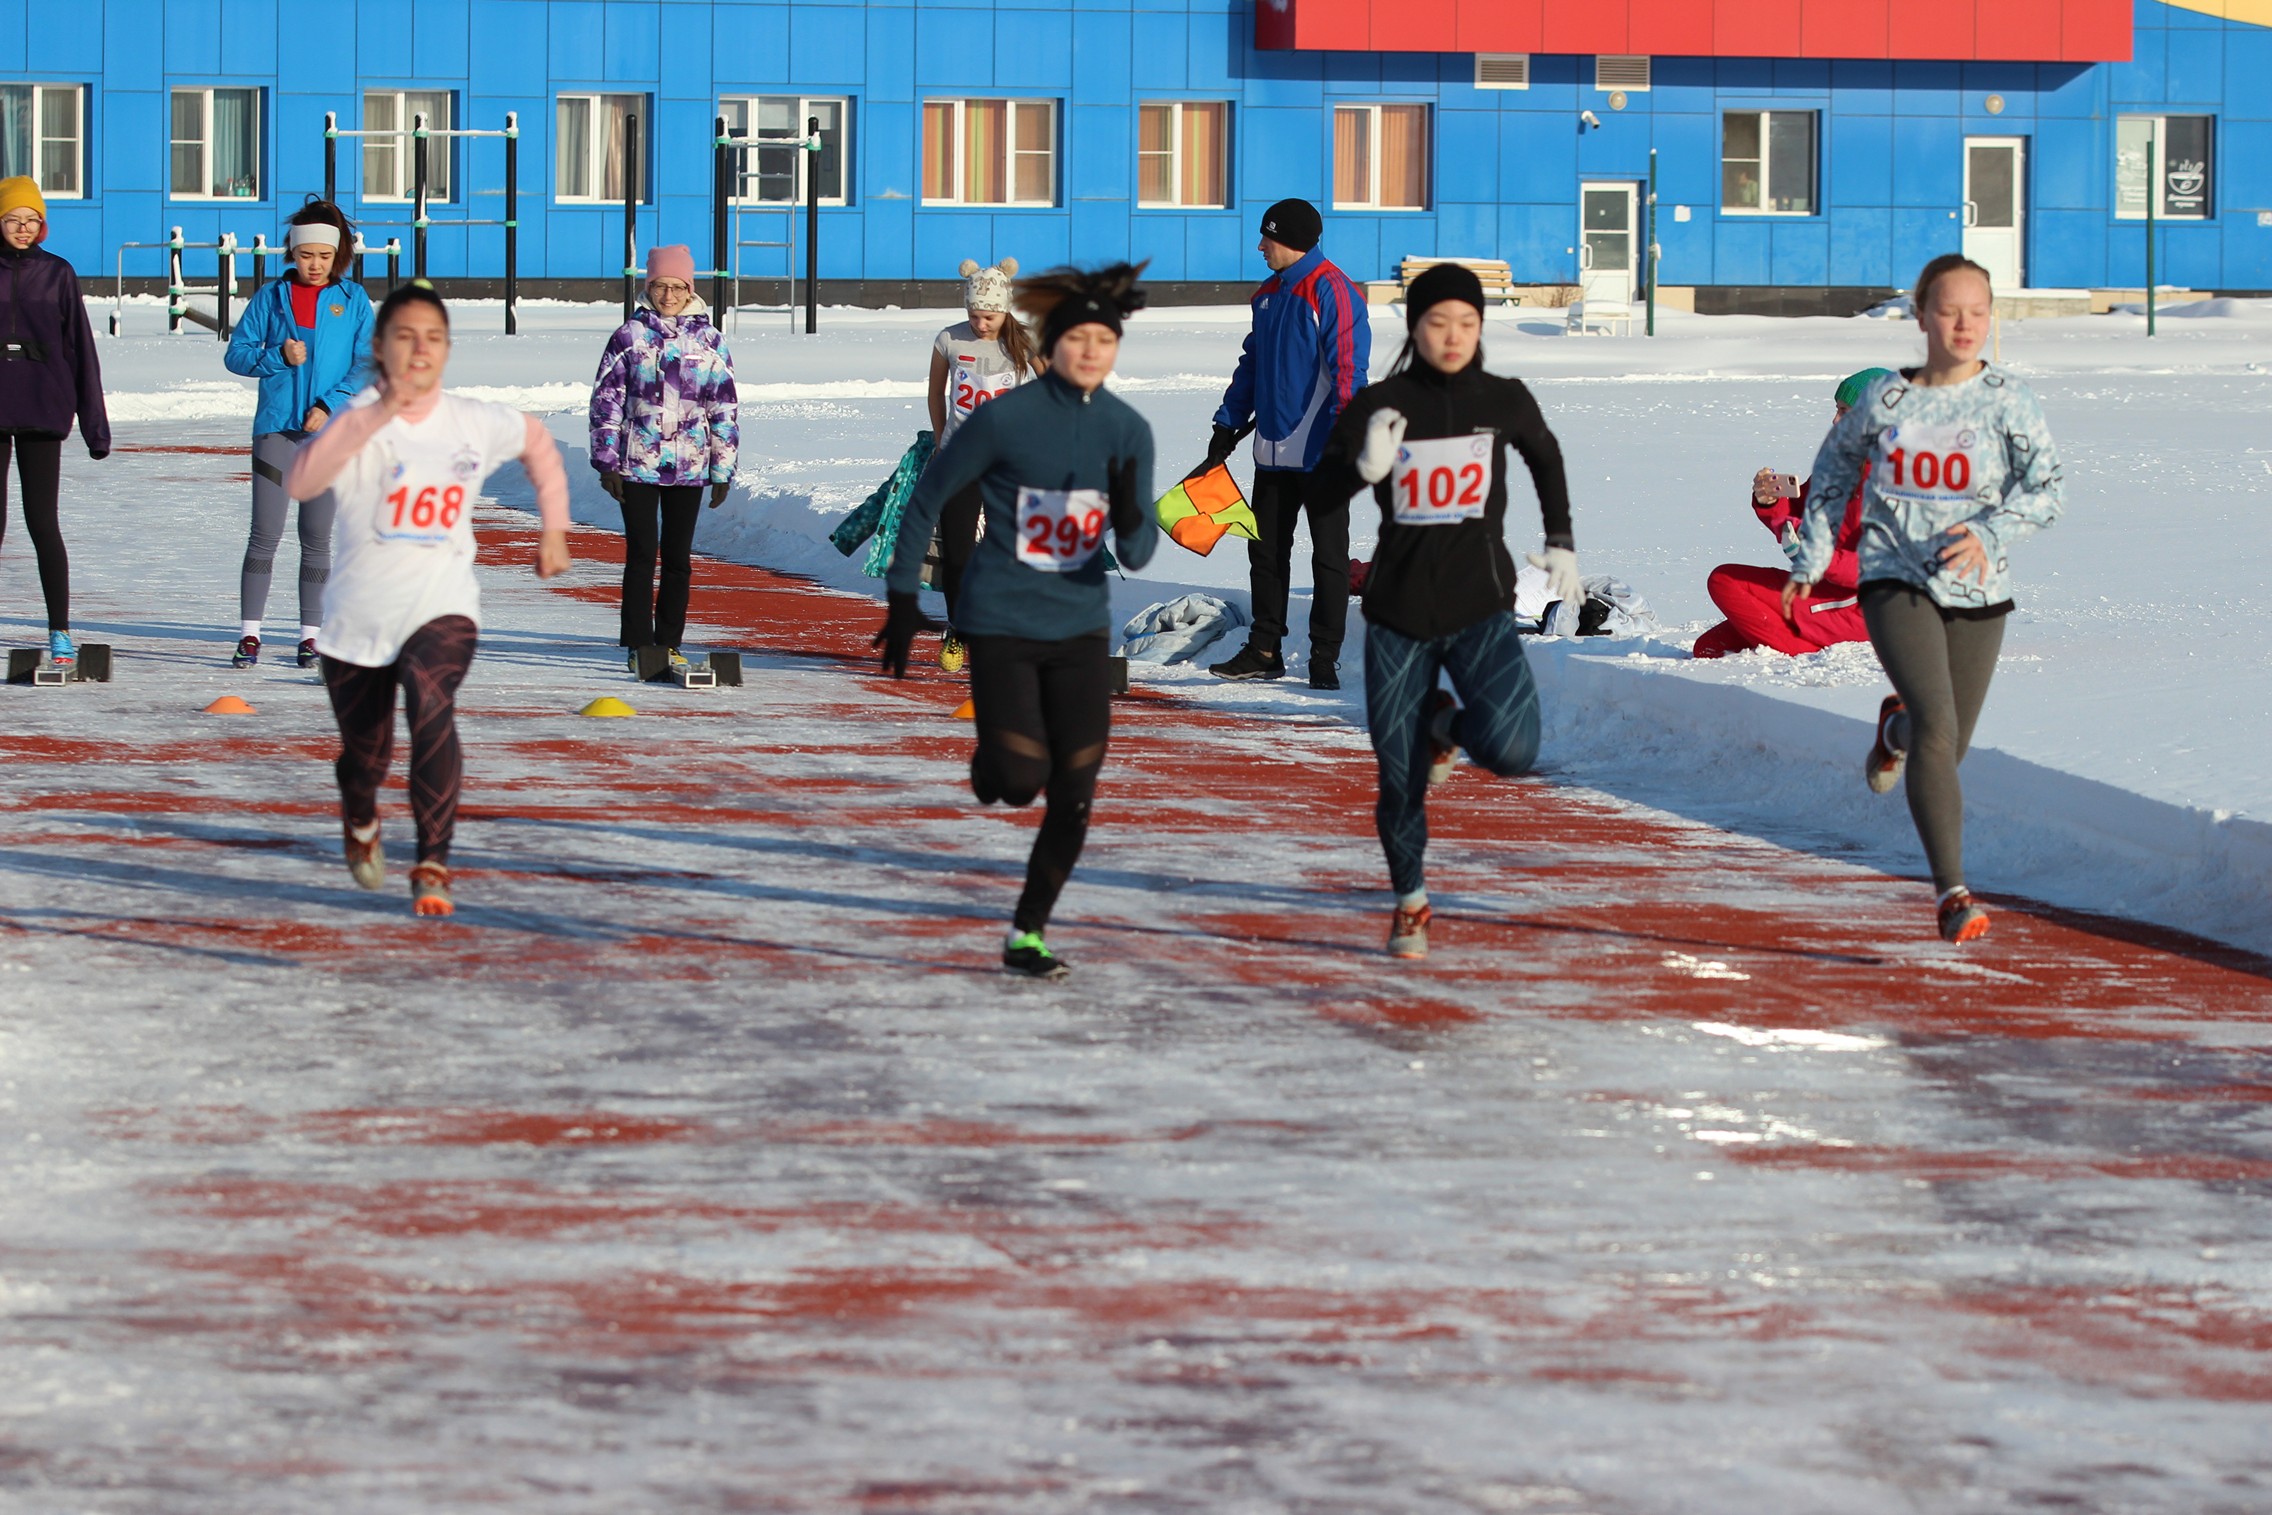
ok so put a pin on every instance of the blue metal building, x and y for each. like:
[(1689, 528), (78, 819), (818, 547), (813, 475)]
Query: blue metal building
[(1158, 129)]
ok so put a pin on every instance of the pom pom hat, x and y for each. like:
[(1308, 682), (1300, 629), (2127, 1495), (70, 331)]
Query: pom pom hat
[(987, 288)]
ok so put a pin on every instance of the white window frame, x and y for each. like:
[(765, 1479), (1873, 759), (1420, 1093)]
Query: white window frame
[(1766, 207), (1175, 159), (1512, 70), (1372, 200), (961, 104), (805, 104), (1621, 71), (42, 92), (2157, 175), (438, 150), (596, 163), (205, 141)]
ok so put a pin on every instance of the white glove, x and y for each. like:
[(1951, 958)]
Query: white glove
[(1384, 438), (1561, 568)]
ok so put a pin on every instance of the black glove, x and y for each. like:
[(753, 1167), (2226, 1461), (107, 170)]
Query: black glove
[(98, 456), (1127, 506), (903, 618), (1219, 448)]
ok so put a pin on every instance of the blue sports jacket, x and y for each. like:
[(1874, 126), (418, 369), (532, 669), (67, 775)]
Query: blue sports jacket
[(339, 353), (1304, 359)]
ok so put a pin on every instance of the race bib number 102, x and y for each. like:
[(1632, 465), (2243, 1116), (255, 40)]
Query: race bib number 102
[(1927, 463), (1059, 530), (1444, 481)]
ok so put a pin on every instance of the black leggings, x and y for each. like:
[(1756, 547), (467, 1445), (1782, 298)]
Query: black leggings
[(958, 539), (1044, 710), (39, 463), (428, 671), (1940, 665), (651, 619)]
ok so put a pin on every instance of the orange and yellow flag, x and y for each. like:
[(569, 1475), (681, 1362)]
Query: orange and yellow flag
[(1200, 512)]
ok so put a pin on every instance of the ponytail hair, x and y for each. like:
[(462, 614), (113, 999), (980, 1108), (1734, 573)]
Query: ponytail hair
[(1935, 271), (1063, 298)]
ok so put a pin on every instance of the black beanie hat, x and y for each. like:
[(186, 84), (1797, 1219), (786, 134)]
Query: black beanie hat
[(1293, 223), (1441, 282)]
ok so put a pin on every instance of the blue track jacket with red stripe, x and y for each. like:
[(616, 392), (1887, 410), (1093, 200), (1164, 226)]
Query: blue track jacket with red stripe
[(1302, 361)]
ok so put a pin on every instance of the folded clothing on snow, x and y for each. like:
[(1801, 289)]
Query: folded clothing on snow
[(1177, 630)]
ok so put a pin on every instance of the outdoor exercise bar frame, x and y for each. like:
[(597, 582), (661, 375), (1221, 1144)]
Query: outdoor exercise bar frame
[(418, 133)]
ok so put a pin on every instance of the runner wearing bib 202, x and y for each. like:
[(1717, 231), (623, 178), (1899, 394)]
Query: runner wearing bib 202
[(1058, 463), (1431, 441), (1961, 467), (976, 361)]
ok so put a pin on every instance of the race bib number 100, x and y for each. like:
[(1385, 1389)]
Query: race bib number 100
[(1444, 481), (421, 514), (1927, 463), (1059, 530)]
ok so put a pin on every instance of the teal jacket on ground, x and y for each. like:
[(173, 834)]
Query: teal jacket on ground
[(339, 353), (1041, 440)]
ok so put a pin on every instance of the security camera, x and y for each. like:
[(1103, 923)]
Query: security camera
[(1588, 118)]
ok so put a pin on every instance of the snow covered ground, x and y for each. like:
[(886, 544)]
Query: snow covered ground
[(703, 1163), (2120, 761)]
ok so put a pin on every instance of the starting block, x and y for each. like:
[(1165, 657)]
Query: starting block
[(719, 670), (31, 665)]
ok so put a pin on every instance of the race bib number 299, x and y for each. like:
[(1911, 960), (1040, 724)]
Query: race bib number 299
[(1442, 481), (1059, 530)]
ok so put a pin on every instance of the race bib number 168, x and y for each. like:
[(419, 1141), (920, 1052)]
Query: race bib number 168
[(1059, 530)]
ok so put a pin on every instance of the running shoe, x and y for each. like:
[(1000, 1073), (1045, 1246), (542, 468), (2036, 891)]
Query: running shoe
[(1408, 932), (1324, 675), (366, 859), (678, 658), (1251, 663), (430, 889), (1962, 919), (952, 653), (1026, 954), (247, 654), (1882, 770), (61, 650), (308, 656), (1443, 752)]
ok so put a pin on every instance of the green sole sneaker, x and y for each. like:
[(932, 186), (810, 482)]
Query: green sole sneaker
[(1027, 956)]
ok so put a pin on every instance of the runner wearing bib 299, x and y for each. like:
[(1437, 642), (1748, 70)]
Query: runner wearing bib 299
[(1961, 467), (1058, 463), (1431, 439)]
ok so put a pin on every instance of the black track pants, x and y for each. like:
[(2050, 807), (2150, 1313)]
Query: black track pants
[(432, 665), (39, 464), (1278, 504), (652, 618), (958, 539), (1044, 710)]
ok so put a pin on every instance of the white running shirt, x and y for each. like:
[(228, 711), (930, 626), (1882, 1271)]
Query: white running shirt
[(402, 544), (978, 370)]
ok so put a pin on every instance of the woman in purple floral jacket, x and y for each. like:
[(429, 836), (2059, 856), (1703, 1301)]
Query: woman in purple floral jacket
[(663, 426)]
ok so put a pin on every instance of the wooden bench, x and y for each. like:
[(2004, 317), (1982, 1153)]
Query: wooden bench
[(1497, 278)]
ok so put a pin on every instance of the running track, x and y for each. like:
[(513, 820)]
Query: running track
[(704, 1161)]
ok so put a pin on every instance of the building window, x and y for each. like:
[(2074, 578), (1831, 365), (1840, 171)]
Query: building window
[(771, 169), (388, 166), (1182, 154), (1380, 157), (1767, 162), (990, 152), (2180, 148), (588, 154), (1502, 70), (1628, 74), (43, 137), (216, 144)]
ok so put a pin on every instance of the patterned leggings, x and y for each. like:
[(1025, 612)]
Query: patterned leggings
[(1497, 724), (431, 666)]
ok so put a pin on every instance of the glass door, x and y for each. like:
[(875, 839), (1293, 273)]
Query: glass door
[(1995, 207), (1608, 246)]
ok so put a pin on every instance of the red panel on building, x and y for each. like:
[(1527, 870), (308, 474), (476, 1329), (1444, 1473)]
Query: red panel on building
[(2044, 31)]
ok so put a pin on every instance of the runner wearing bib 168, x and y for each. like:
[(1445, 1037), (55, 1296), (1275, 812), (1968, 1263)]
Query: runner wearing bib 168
[(402, 610), (1431, 439), (1058, 463), (1961, 467)]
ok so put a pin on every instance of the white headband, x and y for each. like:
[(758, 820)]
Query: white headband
[(314, 234)]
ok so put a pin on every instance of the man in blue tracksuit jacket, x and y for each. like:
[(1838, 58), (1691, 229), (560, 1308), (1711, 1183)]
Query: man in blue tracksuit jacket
[(1302, 362)]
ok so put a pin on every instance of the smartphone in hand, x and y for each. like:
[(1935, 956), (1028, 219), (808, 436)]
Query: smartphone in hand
[(1786, 486)]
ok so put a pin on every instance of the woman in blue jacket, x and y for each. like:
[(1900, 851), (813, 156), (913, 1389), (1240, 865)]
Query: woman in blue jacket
[(307, 338)]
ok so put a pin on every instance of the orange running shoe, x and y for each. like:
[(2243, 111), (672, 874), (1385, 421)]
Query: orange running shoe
[(1408, 932), (1962, 919), (430, 889), (1882, 769)]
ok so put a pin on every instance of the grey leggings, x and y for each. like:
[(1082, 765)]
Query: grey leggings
[(271, 455), (1940, 665)]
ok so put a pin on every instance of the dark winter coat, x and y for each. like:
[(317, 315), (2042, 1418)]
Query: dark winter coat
[(49, 373)]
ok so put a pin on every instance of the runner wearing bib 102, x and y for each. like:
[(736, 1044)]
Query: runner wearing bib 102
[(1442, 481)]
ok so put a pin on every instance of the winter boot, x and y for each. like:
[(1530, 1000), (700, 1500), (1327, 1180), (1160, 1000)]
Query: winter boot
[(1252, 663)]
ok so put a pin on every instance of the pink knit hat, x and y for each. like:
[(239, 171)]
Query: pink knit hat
[(673, 262)]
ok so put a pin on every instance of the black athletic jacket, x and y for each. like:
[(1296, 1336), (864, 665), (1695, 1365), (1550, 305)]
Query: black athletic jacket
[(1440, 578)]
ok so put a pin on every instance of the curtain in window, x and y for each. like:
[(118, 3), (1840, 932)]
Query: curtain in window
[(189, 142), (572, 148), (381, 155), (986, 146), (615, 110), (1352, 156), (1155, 155), (16, 130), (60, 159), (1036, 179), (1203, 154), (236, 143), (434, 105), (1404, 156), (938, 149)]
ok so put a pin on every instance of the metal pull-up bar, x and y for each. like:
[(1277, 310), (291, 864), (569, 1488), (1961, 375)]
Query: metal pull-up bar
[(418, 134)]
